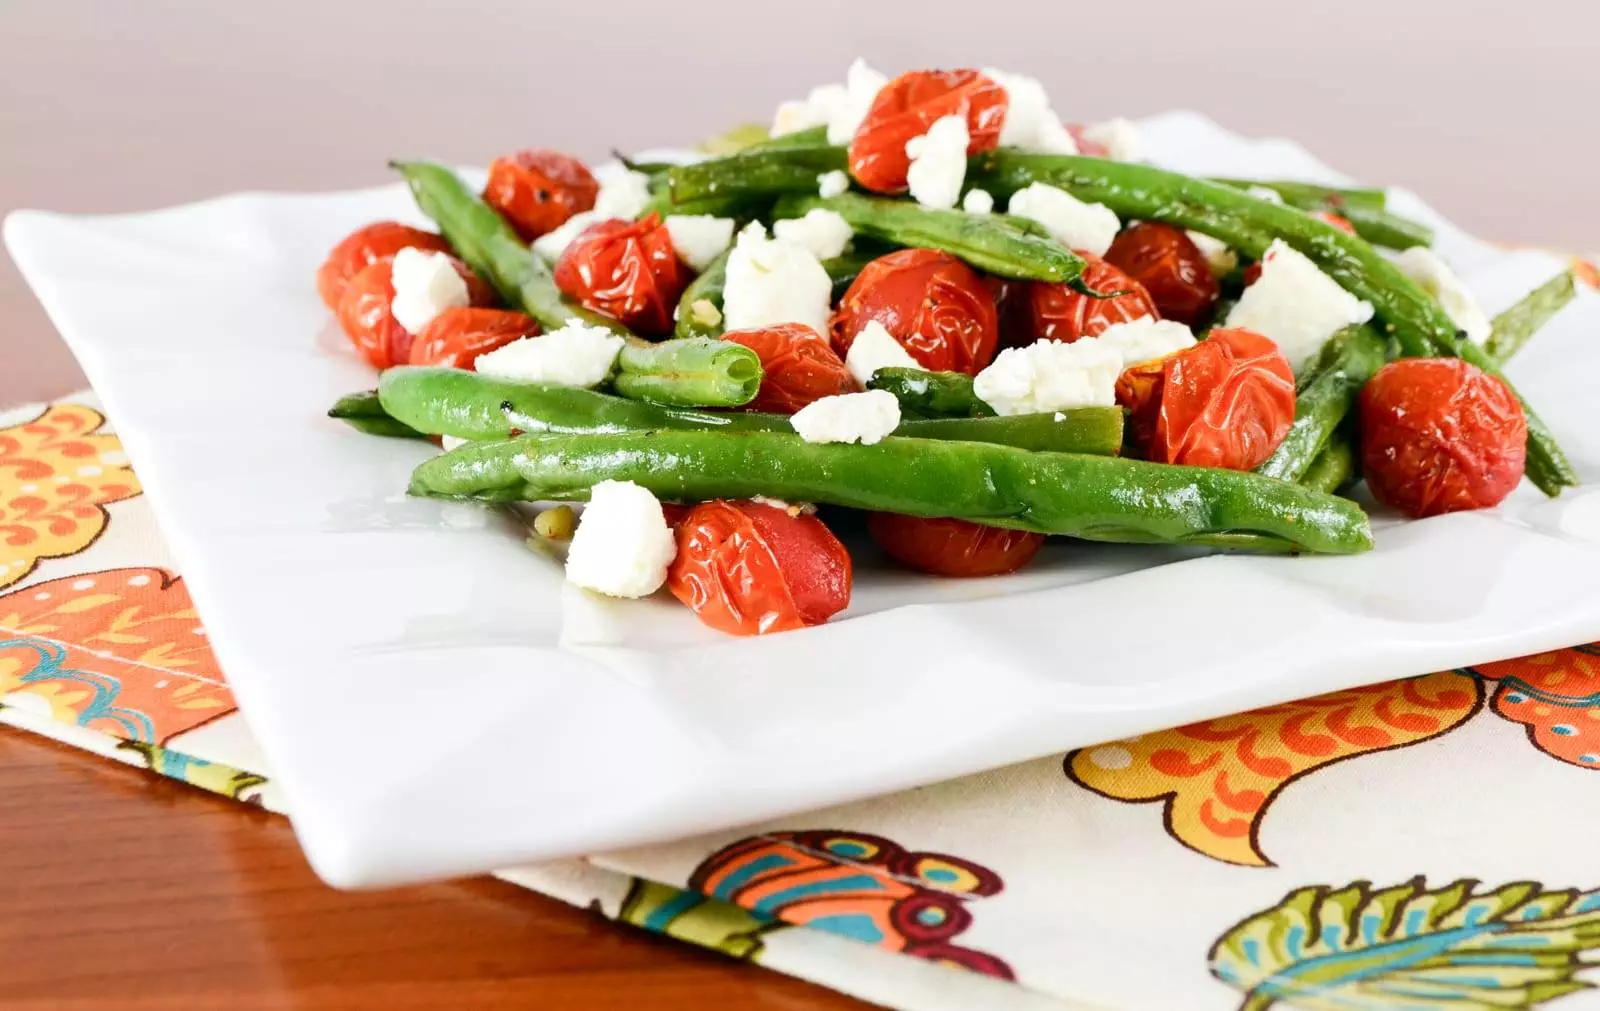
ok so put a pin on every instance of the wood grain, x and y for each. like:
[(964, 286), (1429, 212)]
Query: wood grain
[(120, 888)]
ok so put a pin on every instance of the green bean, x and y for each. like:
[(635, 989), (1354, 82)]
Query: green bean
[(1391, 231), (363, 412), (1092, 497), (689, 372), (1333, 468), (472, 406), (932, 394), (734, 140), (1314, 196), (994, 243), (1324, 395), (1516, 325), (814, 136), (765, 173), (1409, 314), (1364, 209), (700, 307)]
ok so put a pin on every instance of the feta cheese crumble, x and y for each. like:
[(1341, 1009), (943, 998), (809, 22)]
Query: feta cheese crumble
[(1051, 376), (938, 162), (575, 355), (1219, 256), (849, 417), (825, 233), (1073, 223), (1030, 123), (774, 281), (839, 107), (623, 193), (832, 184), (1266, 193), (1296, 305), (1118, 136), (425, 284), (978, 202), (623, 545), (699, 238), (873, 349), (1424, 266), (1144, 339), (551, 245)]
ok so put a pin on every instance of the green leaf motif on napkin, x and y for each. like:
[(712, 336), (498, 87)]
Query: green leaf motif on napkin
[(1406, 947)]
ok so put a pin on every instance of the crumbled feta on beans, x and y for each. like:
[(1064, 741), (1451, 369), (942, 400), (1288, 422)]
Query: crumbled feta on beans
[(1141, 340), (938, 163), (832, 184), (978, 202), (873, 349), (1219, 257), (1424, 266), (1050, 376), (551, 245), (623, 545), (623, 193), (425, 284), (1266, 193), (699, 238), (774, 281), (826, 233), (1030, 123), (575, 355), (839, 107), (1118, 136), (848, 417), (1296, 305), (1073, 223)]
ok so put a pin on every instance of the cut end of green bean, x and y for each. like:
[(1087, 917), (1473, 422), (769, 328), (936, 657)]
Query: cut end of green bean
[(689, 372)]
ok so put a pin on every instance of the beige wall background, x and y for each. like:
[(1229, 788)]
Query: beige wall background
[(1490, 110)]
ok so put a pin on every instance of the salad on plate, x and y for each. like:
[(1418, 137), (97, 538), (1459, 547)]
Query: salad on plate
[(930, 300)]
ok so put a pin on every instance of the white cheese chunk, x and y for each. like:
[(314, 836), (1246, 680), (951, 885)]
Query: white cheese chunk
[(774, 281), (839, 107), (832, 184), (875, 349), (1219, 256), (425, 284), (575, 355), (1051, 376), (849, 417), (1296, 305), (825, 233), (1266, 193), (623, 545), (1424, 266), (699, 238), (552, 244), (1030, 123), (1075, 224), (938, 163), (1118, 136), (978, 202), (1144, 339), (623, 193)]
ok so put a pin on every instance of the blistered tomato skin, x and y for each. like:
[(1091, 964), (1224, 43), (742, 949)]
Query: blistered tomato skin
[(1228, 402), (1169, 267), (748, 568), (456, 337), (538, 190), (627, 270), (952, 547), (797, 364), (907, 106), (1037, 310), (939, 309), (363, 247), (1439, 435), (368, 321)]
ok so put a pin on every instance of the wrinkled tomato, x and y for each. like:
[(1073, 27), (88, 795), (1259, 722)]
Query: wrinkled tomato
[(749, 568), (1228, 401), (952, 547), (907, 106), (938, 308), (797, 366), (627, 270), (1170, 268), (456, 337), (537, 190), (1439, 435), (361, 248), (1039, 310), (367, 320)]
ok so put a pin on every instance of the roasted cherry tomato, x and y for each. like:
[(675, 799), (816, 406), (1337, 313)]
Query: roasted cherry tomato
[(1228, 401), (364, 246), (797, 366), (951, 547), (456, 337), (1038, 310), (1170, 268), (907, 106), (750, 568), (537, 190), (938, 308), (1439, 435), (627, 270), (365, 315)]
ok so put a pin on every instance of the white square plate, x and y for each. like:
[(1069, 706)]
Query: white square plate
[(438, 701)]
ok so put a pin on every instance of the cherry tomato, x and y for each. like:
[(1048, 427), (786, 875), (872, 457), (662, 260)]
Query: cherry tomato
[(456, 337), (1228, 401), (365, 315), (1039, 310), (1439, 435), (939, 309), (361, 248), (627, 270), (951, 547), (537, 190), (1170, 268), (907, 106), (749, 568), (1087, 147), (797, 366)]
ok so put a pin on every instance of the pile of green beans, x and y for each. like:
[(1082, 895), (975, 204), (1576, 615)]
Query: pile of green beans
[(1365, 209)]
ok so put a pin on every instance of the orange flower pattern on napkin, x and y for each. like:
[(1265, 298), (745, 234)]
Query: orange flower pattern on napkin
[(56, 477), (1556, 696), (120, 651)]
